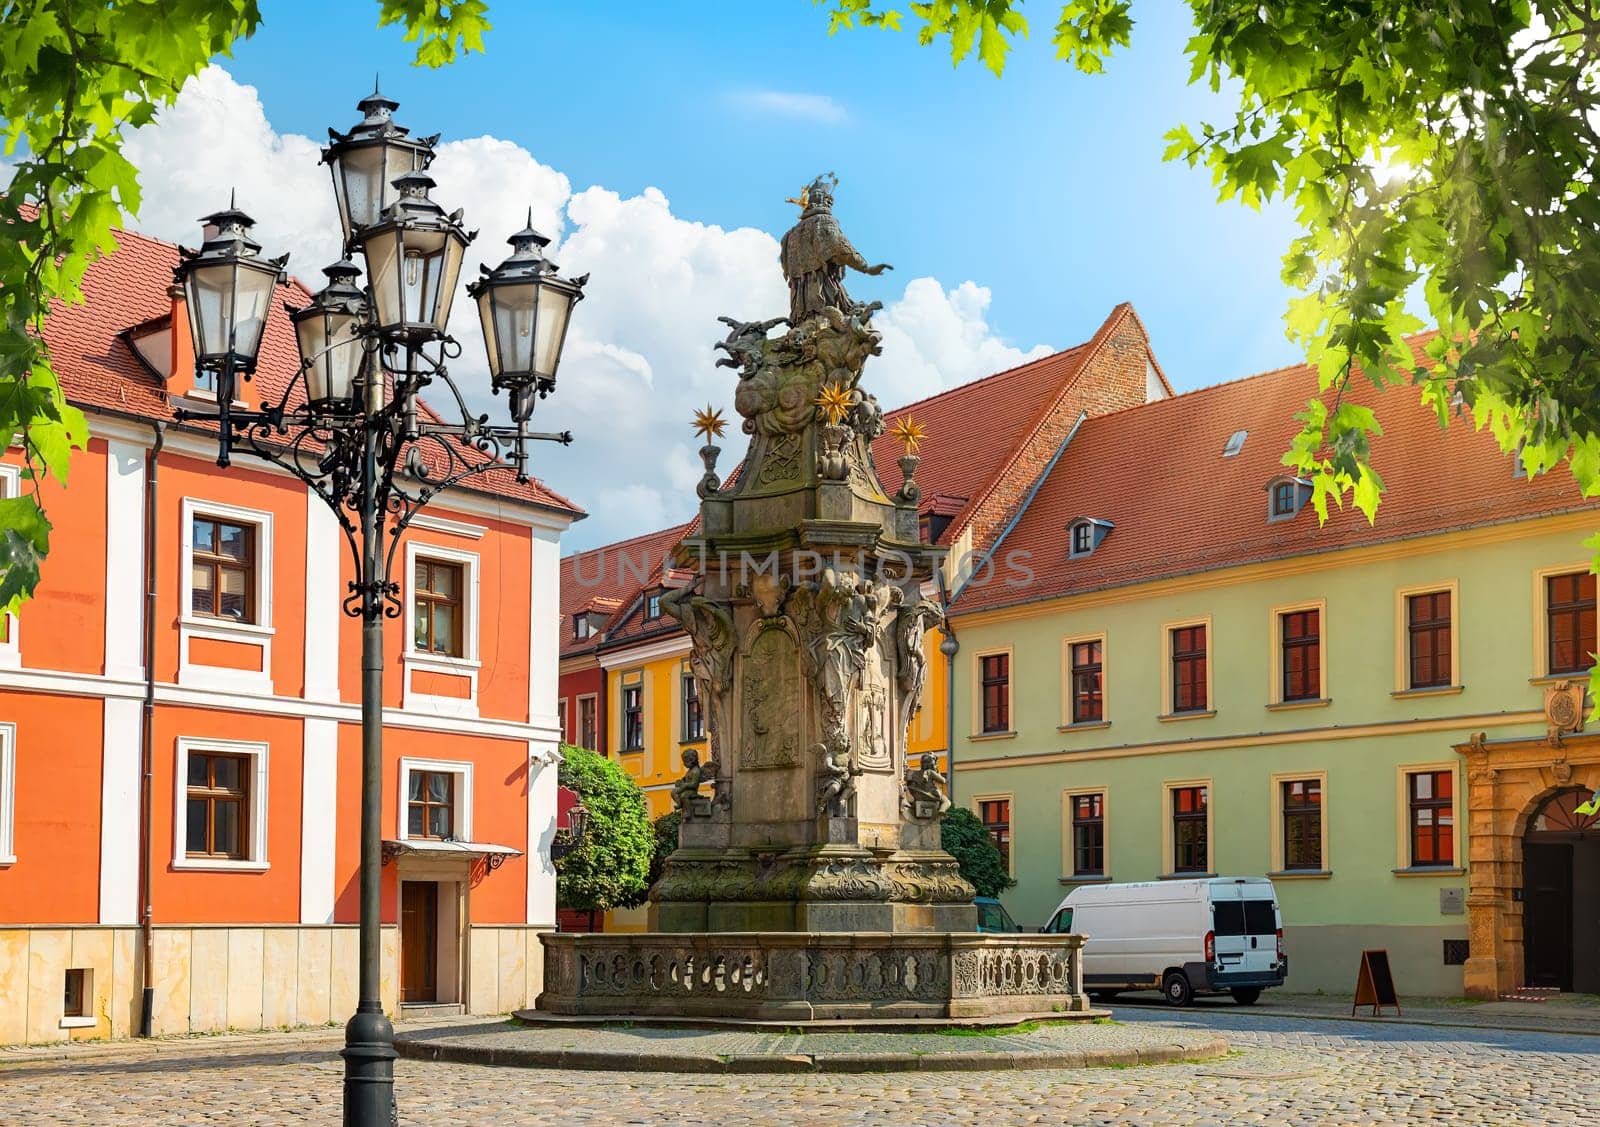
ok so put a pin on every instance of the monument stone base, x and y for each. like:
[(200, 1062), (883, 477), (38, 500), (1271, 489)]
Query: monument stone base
[(810, 976)]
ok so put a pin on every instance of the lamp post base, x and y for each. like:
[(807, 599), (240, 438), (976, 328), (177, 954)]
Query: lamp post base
[(369, 1071)]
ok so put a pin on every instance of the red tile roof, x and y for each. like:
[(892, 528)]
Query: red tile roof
[(608, 579), (973, 428), (128, 288), (1157, 473)]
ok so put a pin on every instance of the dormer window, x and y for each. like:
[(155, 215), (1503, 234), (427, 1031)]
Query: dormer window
[(1235, 443), (1286, 497), (652, 605), (582, 626), (1084, 535)]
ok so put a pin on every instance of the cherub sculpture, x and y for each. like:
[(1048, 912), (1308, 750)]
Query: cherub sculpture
[(924, 783), (838, 778), (687, 789)]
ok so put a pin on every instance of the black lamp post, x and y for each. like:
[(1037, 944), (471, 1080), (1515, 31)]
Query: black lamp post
[(349, 427)]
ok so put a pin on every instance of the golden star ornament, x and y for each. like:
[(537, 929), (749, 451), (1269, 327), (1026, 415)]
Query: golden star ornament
[(709, 423), (835, 402), (910, 433)]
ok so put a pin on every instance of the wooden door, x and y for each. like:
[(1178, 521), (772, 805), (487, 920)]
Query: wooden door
[(1547, 914), (419, 941)]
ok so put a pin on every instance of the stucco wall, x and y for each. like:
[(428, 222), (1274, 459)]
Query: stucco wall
[(1361, 740)]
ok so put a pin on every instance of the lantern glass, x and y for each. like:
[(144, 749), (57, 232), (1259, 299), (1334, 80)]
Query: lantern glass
[(555, 306), (363, 176), (332, 352), (414, 272), (228, 303)]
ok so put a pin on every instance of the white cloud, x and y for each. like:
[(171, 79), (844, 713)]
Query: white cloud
[(640, 356), (790, 104), (933, 339)]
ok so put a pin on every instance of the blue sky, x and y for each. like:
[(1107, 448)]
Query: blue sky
[(1045, 188)]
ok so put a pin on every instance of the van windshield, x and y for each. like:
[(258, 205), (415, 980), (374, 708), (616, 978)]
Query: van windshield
[(1244, 917)]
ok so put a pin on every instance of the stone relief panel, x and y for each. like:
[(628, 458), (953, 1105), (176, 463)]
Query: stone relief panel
[(771, 691), (874, 752)]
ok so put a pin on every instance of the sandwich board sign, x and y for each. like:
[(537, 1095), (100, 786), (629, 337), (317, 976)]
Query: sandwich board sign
[(1375, 984)]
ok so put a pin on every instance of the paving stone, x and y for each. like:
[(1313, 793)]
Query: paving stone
[(1285, 1071)]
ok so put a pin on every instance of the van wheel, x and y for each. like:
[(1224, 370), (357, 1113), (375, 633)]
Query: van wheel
[(1246, 995), (1176, 989)]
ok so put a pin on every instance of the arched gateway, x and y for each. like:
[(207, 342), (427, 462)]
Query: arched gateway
[(1533, 903), (1561, 894)]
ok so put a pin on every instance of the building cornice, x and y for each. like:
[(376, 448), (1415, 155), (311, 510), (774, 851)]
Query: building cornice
[(674, 646), (1258, 739), (1518, 528)]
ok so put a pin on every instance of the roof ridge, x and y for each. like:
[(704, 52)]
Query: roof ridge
[(1092, 347), (1011, 371), (1412, 339)]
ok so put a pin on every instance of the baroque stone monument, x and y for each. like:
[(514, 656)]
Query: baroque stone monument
[(809, 877)]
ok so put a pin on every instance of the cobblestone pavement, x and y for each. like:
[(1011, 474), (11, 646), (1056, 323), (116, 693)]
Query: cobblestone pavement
[(1285, 1071)]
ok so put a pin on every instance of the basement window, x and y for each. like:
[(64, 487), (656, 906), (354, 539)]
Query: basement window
[(77, 998)]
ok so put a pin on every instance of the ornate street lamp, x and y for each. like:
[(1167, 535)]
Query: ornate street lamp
[(524, 307), (228, 287), (413, 255), (348, 425), (577, 826), (329, 335), (366, 162)]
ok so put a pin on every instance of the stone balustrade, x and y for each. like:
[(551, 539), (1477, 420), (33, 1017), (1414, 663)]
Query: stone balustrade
[(803, 976)]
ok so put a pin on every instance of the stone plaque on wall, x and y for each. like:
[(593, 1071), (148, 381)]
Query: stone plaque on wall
[(1452, 901), (771, 688)]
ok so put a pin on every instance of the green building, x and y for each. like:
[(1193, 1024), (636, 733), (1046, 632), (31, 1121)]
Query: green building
[(1167, 668)]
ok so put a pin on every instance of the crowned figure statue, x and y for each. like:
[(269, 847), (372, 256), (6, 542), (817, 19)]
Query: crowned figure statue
[(815, 253)]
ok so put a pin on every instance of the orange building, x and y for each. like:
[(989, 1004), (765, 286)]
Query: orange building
[(179, 726)]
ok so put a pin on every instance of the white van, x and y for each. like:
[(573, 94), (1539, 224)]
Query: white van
[(1182, 937)]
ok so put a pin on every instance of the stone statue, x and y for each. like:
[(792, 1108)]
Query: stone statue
[(687, 789), (815, 254), (710, 630), (911, 627), (841, 619), (838, 779), (925, 789)]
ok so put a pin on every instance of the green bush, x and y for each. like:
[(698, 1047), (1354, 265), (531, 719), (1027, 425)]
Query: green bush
[(610, 867), (966, 839)]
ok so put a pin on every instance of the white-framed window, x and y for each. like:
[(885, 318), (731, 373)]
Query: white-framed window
[(220, 805), (10, 653), (442, 613), (1084, 535), (589, 721), (435, 800), (561, 713), (226, 610), (8, 793)]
